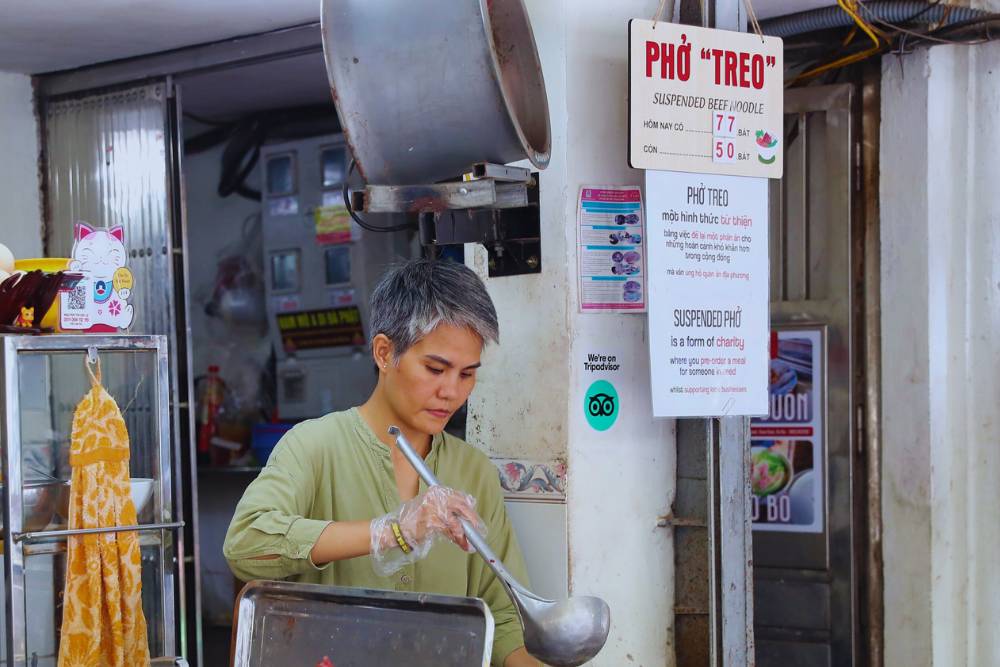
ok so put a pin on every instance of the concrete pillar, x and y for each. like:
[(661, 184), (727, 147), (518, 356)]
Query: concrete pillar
[(530, 401), (941, 350)]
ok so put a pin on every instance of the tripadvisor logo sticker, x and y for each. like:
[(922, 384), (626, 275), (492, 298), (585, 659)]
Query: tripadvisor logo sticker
[(600, 405)]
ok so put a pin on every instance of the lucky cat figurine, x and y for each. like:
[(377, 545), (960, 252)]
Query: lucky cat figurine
[(99, 302)]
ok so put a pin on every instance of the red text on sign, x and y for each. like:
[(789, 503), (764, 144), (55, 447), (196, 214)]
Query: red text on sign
[(738, 69), (672, 60)]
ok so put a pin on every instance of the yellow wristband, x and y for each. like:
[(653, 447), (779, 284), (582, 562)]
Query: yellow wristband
[(399, 538)]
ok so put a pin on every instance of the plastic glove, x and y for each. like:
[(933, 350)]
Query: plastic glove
[(421, 522)]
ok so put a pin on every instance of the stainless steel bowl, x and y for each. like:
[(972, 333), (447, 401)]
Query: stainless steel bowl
[(41, 500)]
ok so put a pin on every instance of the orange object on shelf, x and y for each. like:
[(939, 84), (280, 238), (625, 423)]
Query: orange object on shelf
[(50, 319), (103, 624), (211, 401)]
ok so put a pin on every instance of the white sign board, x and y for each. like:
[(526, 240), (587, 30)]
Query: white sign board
[(708, 294), (705, 101)]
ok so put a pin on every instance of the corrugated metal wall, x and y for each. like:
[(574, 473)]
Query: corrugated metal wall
[(106, 159), (107, 166)]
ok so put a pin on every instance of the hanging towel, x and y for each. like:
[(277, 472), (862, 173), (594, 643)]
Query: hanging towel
[(103, 624)]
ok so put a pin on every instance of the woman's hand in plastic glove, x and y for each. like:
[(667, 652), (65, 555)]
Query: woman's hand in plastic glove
[(420, 522), (438, 511)]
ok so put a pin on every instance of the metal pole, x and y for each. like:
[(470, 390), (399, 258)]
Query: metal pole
[(731, 528), (728, 599), (733, 544)]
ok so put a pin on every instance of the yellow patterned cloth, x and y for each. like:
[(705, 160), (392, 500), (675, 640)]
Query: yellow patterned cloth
[(103, 624)]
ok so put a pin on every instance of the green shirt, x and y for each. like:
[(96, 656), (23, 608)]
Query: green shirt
[(335, 469)]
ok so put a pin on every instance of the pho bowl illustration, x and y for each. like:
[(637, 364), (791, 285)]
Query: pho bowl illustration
[(767, 147), (770, 472)]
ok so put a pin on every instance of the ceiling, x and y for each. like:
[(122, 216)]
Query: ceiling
[(49, 35), (288, 82)]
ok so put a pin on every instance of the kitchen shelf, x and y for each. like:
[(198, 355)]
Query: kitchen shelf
[(57, 545), (46, 379), (229, 470)]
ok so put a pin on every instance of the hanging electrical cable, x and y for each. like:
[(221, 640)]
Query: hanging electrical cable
[(245, 136), (358, 219), (894, 12), (889, 26), (850, 7)]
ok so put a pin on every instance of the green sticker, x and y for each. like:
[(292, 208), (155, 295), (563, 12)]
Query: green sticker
[(600, 405)]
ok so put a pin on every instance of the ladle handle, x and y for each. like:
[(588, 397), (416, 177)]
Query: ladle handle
[(475, 539)]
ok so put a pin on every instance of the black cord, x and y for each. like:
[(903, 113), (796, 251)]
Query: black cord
[(928, 35), (984, 20), (937, 36), (240, 157), (208, 140), (246, 135), (357, 218), (900, 38), (910, 19), (207, 121)]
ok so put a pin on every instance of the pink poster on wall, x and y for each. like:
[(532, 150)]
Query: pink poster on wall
[(611, 249)]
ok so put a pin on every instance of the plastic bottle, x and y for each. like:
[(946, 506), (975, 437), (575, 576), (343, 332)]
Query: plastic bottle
[(211, 400)]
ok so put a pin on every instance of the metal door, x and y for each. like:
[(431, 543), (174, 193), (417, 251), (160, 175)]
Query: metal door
[(112, 158), (805, 583)]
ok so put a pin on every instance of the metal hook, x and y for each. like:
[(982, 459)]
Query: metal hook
[(91, 355)]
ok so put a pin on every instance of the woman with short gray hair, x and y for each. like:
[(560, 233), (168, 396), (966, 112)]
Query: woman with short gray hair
[(338, 504)]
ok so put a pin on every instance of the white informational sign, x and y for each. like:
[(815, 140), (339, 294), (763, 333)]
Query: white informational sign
[(708, 294), (787, 446), (611, 249), (705, 101)]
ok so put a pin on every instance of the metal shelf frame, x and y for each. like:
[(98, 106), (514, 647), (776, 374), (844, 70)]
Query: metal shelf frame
[(17, 540)]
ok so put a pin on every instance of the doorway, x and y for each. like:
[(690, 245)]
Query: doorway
[(812, 555), (267, 244), (232, 122)]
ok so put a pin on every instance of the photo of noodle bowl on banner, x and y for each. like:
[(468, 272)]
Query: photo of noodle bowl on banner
[(786, 474)]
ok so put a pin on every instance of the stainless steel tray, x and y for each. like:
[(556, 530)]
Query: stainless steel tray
[(296, 625)]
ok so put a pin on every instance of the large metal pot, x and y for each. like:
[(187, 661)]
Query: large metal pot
[(426, 88)]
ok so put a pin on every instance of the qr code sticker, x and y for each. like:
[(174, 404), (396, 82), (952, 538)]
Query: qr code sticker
[(77, 298)]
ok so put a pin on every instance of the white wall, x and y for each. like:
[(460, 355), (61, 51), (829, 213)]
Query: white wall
[(623, 479), (21, 217), (529, 402), (941, 348), (214, 229)]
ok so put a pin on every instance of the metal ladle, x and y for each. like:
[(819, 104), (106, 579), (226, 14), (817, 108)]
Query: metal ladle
[(561, 634)]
